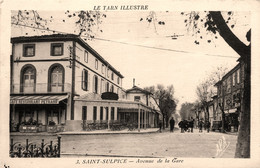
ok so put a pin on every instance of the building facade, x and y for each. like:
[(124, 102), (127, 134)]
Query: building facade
[(61, 79), (229, 97)]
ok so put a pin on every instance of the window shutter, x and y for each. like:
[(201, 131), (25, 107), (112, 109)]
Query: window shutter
[(88, 81), (93, 86), (83, 80)]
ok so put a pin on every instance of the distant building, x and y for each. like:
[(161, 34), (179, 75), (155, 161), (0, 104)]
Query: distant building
[(61, 79)]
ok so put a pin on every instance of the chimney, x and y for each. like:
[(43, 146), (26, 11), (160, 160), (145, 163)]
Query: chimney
[(134, 82)]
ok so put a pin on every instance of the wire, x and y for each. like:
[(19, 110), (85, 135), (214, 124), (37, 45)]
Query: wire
[(125, 43)]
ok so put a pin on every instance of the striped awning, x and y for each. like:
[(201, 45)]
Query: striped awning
[(35, 99)]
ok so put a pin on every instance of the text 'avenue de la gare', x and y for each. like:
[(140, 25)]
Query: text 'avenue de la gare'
[(122, 7)]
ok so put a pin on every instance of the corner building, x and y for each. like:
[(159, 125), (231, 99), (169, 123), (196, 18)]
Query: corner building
[(60, 78)]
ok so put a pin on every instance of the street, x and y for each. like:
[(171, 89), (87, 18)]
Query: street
[(165, 144)]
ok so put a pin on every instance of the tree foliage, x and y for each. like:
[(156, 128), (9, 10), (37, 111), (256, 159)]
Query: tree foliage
[(186, 111), (164, 98)]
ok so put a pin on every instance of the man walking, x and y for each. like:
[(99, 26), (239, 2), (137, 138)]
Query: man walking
[(172, 123)]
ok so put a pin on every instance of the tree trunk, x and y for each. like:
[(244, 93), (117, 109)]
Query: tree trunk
[(243, 140)]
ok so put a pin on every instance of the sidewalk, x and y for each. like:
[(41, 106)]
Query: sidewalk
[(105, 132), (95, 132)]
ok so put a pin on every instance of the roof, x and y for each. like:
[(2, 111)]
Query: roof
[(65, 37), (227, 74), (139, 89)]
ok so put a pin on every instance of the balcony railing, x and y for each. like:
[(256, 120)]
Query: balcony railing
[(40, 88)]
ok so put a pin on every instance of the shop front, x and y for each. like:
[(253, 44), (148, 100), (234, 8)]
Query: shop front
[(38, 113), (231, 120)]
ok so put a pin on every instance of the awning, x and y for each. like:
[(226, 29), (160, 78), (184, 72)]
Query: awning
[(35, 99), (125, 110)]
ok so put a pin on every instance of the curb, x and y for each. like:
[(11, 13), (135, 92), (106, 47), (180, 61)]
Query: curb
[(95, 155)]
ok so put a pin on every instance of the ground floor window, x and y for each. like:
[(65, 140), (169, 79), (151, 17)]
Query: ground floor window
[(101, 113), (112, 113), (95, 113), (84, 112)]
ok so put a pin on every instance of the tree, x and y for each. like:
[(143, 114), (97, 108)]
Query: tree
[(206, 90), (164, 98), (186, 111)]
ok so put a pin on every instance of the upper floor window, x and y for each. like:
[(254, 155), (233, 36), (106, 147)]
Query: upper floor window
[(102, 68), (86, 56), (118, 80), (137, 98), (96, 64), (112, 88), (107, 87), (56, 49), (56, 78), (112, 76), (28, 78), (238, 76), (108, 71), (28, 50), (95, 84), (234, 79), (85, 79)]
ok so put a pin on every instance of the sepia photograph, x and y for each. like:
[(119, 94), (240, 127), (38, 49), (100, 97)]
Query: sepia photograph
[(129, 85)]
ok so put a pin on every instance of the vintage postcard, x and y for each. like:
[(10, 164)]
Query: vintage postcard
[(129, 84)]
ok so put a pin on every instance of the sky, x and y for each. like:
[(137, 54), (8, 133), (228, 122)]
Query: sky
[(146, 52)]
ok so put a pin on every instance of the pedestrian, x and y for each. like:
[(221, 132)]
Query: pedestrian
[(208, 126), (181, 125), (200, 125), (160, 126), (191, 122), (172, 123)]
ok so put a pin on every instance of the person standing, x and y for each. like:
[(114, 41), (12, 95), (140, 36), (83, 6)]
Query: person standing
[(200, 125), (172, 123), (160, 126), (208, 126), (191, 124)]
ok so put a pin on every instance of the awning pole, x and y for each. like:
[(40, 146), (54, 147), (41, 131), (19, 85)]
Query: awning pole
[(145, 120), (138, 118)]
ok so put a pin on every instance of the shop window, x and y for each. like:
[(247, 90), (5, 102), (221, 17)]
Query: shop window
[(101, 113), (84, 112), (56, 49), (106, 113), (95, 113), (29, 50), (28, 79), (85, 80), (56, 78)]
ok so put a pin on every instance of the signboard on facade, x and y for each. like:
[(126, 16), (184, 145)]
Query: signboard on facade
[(109, 96), (34, 101)]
